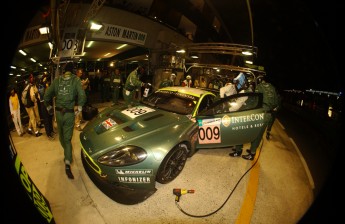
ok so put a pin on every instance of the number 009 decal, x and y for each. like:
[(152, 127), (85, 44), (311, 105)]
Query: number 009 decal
[(209, 134)]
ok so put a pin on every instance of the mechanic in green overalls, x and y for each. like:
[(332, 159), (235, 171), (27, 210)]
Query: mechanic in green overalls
[(67, 90), (115, 84), (168, 82), (133, 83)]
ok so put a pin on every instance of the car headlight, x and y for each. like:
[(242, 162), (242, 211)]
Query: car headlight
[(126, 155)]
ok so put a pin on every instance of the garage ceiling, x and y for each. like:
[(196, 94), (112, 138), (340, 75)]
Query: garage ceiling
[(194, 17)]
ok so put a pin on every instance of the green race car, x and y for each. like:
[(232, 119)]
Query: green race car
[(125, 151)]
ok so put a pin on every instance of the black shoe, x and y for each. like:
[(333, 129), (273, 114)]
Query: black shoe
[(235, 154), (249, 156), (268, 135), (50, 137), (69, 172), (30, 132), (38, 134)]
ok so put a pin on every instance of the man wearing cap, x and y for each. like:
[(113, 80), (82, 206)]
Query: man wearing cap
[(67, 89)]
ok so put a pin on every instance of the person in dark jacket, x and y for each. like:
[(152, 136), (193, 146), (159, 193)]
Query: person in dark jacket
[(67, 89)]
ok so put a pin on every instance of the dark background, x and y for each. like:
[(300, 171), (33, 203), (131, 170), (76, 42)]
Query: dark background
[(297, 44)]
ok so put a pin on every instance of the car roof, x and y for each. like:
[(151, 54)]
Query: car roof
[(188, 90)]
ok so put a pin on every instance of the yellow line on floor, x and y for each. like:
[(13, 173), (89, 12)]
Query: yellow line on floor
[(247, 208)]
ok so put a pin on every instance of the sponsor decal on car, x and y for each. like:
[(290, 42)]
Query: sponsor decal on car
[(140, 180), (209, 131), (133, 172), (137, 111)]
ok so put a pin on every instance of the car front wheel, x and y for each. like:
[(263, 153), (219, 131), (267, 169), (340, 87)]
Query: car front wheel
[(172, 164)]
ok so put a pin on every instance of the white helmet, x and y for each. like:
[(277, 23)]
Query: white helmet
[(188, 77)]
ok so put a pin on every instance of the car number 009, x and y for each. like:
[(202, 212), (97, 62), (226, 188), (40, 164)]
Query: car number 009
[(209, 134)]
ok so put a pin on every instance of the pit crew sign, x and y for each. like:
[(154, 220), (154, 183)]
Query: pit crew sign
[(209, 131)]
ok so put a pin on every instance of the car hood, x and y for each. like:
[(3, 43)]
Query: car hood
[(117, 126)]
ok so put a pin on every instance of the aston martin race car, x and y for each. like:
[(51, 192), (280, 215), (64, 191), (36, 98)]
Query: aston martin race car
[(125, 151)]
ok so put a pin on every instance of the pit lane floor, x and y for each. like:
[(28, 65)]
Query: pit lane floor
[(277, 188)]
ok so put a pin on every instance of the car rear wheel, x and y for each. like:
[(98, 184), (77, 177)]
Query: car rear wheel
[(172, 164)]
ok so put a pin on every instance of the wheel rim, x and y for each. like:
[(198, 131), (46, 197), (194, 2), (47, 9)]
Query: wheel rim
[(175, 164)]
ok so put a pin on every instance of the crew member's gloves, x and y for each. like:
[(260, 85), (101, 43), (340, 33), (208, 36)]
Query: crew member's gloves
[(80, 109), (50, 110)]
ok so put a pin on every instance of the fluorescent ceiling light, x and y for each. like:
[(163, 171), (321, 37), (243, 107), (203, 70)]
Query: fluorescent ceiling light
[(22, 52), (44, 30), (122, 46), (249, 62), (32, 59), (95, 26), (194, 56), (11, 74), (181, 51), (247, 53), (14, 67), (89, 44)]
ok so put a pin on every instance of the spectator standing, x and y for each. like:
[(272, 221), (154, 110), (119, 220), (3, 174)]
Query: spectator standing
[(32, 108), (133, 83), (47, 118), (115, 84), (66, 89), (14, 105)]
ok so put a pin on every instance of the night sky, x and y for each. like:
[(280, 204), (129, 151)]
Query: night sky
[(296, 41)]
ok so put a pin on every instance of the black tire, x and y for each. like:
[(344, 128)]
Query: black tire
[(172, 164)]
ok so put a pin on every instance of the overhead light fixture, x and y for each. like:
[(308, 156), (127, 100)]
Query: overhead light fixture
[(247, 53), (14, 67), (44, 30), (95, 26), (32, 59), (89, 44), (122, 46), (181, 51), (22, 52), (194, 56), (249, 62)]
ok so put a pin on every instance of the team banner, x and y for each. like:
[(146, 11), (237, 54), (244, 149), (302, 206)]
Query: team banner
[(120, 33)]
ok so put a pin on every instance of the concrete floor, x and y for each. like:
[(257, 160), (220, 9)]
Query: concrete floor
[(276, 189)]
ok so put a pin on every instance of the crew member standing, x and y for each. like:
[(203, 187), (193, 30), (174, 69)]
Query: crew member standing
[(116, 83), (66, 89), (133, 83)]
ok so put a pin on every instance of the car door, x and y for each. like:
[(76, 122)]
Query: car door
[(234, 120)]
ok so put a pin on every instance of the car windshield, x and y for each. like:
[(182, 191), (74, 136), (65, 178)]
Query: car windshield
[(172, 101)]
